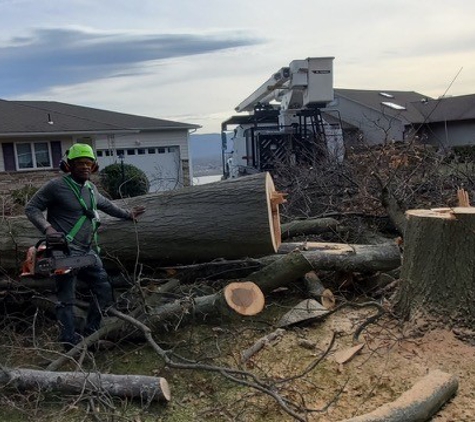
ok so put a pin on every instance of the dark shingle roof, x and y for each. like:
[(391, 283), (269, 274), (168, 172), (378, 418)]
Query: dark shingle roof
[(35, 117), (447, 109), (375, 98)]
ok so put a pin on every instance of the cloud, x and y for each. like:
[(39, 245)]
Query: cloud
[(54, 57)]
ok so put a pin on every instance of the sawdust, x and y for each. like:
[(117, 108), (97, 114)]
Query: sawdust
[(390, 363)]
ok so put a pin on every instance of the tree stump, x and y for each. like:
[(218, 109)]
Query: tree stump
[(438, 271)]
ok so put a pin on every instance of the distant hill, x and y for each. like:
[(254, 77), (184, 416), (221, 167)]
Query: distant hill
[(206, 154), (207, 145)]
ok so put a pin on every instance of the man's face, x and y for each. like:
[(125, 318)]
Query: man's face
[(81, 169)]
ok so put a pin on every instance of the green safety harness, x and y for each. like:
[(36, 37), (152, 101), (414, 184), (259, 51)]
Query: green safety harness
[(90, 213)]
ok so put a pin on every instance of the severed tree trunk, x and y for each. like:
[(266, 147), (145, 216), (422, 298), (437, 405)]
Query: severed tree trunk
[(140, 387), (227, 219), (437, 276)]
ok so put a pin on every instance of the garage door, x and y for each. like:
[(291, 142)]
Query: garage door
[(160, 164)]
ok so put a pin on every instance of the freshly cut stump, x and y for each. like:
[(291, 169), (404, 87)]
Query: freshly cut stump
[(437, 276)]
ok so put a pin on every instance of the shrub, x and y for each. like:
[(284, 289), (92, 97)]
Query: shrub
[(123, 180)]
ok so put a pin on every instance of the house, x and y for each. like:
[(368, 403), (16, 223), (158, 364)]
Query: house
[(448, 121), (379, 115), (35, 135)]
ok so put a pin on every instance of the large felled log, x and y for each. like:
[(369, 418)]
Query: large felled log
[(438, 267), (141, 387), (227, 219), (418, 404)]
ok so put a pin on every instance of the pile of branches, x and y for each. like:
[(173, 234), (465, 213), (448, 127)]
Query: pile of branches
[(417, 175)]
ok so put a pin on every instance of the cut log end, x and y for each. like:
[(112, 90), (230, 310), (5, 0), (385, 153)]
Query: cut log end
[(445, 213), (274, 199), (165, 390), (245, 298)]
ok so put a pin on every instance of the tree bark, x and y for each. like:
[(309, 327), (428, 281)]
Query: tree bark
[(344, 257), (141, 387), (309, 226), (418, 404), (281, 271), (437, 275), (228, 219)]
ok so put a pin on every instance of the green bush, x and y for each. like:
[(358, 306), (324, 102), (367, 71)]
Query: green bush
[(123, 181)]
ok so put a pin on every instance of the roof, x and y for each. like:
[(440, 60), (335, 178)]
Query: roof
[(50, 117), (393, 103), (447, 109)]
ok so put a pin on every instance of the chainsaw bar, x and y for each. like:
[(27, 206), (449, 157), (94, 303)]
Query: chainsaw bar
[(63, 265)]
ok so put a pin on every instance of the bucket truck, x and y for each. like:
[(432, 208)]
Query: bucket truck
[(286, 121)]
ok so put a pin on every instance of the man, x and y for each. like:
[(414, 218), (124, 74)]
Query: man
[(71, 203)]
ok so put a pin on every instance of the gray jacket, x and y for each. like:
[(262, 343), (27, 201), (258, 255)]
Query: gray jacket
[(63, 210)]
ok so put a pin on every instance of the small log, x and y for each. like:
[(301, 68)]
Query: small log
[(346, 257), (260, 344), (308, 226), (245, 298), (141, 387), (317, 291), (418, 404)]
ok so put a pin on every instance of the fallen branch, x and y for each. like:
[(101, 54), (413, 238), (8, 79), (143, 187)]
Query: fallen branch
[(239, 376), (418, 404), (260, 344)]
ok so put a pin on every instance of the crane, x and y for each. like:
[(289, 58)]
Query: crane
[(284, 124)]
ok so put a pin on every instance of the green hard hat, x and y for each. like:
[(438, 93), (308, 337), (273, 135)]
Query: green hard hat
[(81, 151)]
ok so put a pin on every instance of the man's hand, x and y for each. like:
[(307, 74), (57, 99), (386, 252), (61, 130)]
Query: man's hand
[(50, 231), (136, 211)]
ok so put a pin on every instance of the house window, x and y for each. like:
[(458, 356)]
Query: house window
[(141, 151), (33, 155), (151, 150)]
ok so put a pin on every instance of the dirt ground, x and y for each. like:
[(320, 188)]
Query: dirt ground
[(392, 359)]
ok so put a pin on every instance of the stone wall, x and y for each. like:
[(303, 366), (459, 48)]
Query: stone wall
[(10, 181)]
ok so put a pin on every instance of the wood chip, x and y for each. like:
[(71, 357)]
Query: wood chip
[(345, 355)]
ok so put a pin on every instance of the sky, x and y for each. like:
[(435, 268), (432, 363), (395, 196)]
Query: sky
[(194, 61)]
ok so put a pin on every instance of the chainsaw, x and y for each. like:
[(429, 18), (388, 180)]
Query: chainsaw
[(52, 256)]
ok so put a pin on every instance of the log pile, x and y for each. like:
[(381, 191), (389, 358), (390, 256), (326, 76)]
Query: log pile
[(227, 231)]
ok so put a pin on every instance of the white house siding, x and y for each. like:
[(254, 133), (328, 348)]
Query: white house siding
[(376, 126), (167, 170)]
